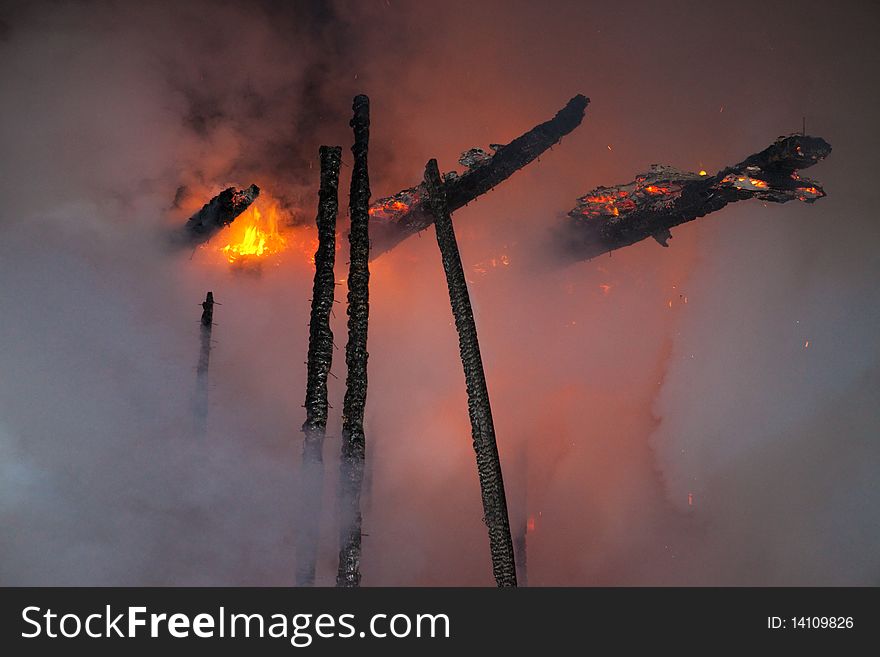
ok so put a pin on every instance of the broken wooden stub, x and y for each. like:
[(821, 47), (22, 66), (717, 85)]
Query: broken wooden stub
[(201, 401)]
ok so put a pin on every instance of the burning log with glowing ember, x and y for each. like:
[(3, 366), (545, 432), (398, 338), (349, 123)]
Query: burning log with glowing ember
[(609, 218), (407, 213), (218, 213)]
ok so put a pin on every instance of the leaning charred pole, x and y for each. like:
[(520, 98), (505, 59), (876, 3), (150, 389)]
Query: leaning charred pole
[(406, 213), (320, 359), (353, 439), (610, 218), (201, 400), (482, 427)]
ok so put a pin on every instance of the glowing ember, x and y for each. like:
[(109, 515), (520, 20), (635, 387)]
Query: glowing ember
[(388, 209), (654, 189), (255, 233), (809, 193)]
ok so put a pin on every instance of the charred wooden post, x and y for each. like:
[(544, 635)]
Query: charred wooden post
[(201, 401), (406, 213), (609, 218), (320, 359), (216, 214), (482, 427), (353, 440)]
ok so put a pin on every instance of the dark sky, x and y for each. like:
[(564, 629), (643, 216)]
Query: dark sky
[(738, 369)]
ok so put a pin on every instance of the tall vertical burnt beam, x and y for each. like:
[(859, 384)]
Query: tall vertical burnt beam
[(320, 359), (482, 427), (353, 439), (201, 400)]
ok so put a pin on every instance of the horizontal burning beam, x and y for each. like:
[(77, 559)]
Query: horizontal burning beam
[(405, 213), (609, 218), (217, 213), (603, 220)]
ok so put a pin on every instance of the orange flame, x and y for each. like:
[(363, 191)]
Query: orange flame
[(255, 233)]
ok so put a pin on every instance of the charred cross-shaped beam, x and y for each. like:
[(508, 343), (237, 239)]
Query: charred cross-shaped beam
[(479, 410), (320, 359), (609, 218), (406, 213), (353, 439)]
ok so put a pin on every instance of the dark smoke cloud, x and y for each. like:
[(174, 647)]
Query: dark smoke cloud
[(620, 386)]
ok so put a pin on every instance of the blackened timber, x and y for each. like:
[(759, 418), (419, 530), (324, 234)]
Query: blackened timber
[(483, 430), (201, 401), (320, 359), (406, 213), (353, 439), (217, 213), (609, 218)]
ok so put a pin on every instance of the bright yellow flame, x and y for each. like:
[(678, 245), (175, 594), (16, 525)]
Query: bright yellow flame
[(703, 172), (255, 234)]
